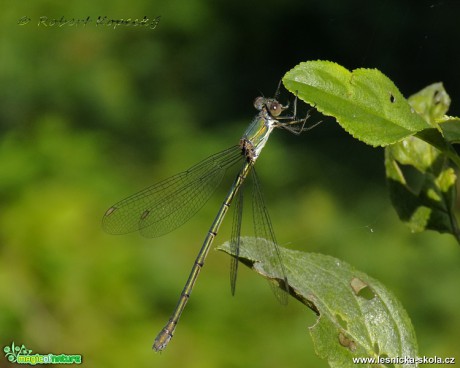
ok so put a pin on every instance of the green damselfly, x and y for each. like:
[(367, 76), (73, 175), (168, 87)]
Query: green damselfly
[(168, 204)]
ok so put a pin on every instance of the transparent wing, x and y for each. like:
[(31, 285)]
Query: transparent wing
[(168, 204), (266, 242)]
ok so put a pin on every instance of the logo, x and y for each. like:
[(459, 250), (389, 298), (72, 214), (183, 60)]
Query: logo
[(21, 355)]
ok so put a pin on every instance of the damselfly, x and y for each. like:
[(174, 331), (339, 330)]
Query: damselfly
[(168, 204)]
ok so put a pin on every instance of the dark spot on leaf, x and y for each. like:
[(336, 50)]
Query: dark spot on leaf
[(436, 97), (376, 348), (392, 98), (362, 289), (347, 342)]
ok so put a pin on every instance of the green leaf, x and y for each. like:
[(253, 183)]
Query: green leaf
[(431, 103), (421, 181), (357, 316), (364, 102), (450, 128)]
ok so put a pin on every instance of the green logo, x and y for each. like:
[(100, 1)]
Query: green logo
[(22, 355)]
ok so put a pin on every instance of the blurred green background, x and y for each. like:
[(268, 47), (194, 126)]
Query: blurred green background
[(89, 115)]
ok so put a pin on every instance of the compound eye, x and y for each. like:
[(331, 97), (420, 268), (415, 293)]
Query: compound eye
[(275, 108), (259, 103)]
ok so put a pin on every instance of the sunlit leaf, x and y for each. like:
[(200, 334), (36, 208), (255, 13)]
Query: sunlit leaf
[(364, 102), (357, 316)]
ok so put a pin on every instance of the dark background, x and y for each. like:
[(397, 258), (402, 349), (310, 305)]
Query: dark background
[(89, 115)]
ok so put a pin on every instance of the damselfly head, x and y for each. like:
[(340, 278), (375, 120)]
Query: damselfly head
[(259, 102), (271, 104)]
